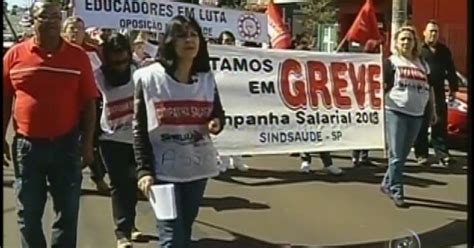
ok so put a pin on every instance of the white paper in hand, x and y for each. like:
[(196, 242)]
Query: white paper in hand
[(95, 60), (162, 200)]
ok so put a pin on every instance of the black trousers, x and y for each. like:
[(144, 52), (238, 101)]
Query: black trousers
[(439, 133), (97, 168), (360, 155), (325, 157), (119, 160)]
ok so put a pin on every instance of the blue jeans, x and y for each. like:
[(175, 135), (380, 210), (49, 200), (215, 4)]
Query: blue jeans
[(177, 233), (120, 162), (401, 132), (36, 163)]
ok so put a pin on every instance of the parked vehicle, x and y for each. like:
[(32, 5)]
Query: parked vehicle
[(8, 41), (457, 114)]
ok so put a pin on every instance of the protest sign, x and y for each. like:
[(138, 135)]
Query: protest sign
[(153, 15), (283, 101)]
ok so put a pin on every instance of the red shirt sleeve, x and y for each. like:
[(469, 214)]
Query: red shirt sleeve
[(7, 83), (88, 86)]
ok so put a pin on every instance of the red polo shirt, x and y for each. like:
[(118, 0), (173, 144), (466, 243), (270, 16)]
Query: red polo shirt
[(50, 89)]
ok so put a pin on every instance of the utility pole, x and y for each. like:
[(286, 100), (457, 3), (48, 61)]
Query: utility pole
[(399, 17)]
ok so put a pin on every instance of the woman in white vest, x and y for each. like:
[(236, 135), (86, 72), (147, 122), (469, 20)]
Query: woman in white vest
[(407, 93), (176, 109), (114, 80)]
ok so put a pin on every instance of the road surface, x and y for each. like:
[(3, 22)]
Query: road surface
[(274, 204)]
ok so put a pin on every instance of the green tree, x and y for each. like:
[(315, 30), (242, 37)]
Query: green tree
[(319, 12), (14, 9)]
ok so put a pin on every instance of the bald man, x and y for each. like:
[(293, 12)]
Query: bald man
[(442, 68)]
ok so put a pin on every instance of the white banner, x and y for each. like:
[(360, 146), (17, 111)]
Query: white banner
[(154, 15), (284, 101)]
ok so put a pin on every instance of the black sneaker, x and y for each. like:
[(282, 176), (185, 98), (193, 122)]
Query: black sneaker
[(447, 161), (124, 243), (422, 161), (355, 163), (137, 235)]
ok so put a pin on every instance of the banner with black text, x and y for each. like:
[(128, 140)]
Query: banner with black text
[(153, 15), (284, 101)]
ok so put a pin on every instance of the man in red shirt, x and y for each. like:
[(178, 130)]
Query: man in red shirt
[(50, 84), (74, 31)]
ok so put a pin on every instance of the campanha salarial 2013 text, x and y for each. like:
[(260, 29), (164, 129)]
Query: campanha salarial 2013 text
[(302, 117)]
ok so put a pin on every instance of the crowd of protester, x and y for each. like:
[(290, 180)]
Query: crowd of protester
[(52, 70)]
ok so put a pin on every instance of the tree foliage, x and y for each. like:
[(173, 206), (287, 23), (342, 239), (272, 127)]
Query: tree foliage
[(319, 12), (14, 9)]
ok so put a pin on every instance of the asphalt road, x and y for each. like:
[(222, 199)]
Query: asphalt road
[(274, 204)]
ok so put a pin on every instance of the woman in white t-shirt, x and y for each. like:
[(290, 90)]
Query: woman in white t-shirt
[(407, 93)]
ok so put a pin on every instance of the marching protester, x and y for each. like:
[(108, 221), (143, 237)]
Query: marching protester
[(51, 95), (301, 43), (74, 32), (328, 165), (98, 35), (139, 50), (226, 38), (438, 56), (234, 161), (92, 36), (361, 157), (176, 108), (408, 90), (140, 58), (114, 80)]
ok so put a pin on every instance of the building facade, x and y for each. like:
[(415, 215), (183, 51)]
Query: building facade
[(451, 16)]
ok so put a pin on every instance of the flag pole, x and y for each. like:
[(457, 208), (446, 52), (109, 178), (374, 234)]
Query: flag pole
[(341, 43), (385, 148)]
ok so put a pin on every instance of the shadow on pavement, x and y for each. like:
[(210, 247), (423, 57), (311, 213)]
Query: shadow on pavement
[(218, 203), (231, 203), (8, 210), (369, 175), (436, 204), (452, 234), (146, 238), (456, 169), (86, 192), (8, 183), (239, 240)]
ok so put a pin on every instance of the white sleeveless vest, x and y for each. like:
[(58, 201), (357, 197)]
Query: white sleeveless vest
[(117, 109), (178, 116)]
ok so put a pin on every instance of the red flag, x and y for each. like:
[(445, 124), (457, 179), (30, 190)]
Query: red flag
[(365, 25), (280, 37)]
